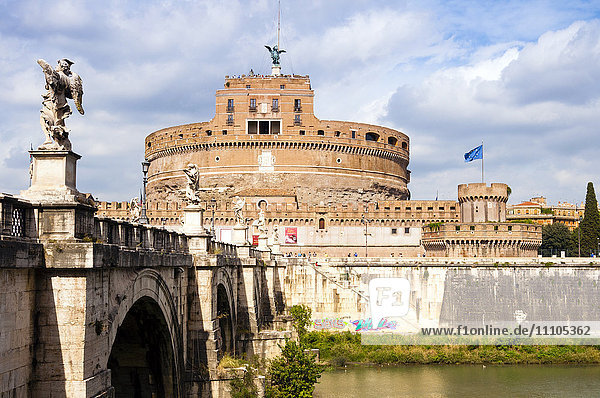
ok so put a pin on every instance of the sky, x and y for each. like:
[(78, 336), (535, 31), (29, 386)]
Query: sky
[(523, 77)]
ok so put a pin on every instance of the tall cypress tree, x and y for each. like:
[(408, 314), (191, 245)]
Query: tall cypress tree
[(590, 226)]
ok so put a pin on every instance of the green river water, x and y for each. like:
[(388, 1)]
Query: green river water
[(461, 381)]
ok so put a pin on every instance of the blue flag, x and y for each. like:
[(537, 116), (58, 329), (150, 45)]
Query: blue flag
[(475, 153)]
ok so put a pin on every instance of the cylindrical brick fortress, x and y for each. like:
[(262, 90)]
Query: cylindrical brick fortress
[(265, 137)]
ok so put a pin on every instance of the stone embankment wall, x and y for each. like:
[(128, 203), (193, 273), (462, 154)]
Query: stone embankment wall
[(446, 290)]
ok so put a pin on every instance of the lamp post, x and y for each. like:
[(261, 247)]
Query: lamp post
[(145, 167), (213, 205)]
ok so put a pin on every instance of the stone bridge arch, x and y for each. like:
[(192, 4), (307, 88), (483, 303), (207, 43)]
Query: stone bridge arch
[(145, 342)]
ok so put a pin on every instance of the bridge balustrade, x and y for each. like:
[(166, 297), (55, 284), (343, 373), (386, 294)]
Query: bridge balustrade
[(17, 218)]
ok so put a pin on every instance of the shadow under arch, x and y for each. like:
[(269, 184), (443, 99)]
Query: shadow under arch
[(224, 310), (145, 341)]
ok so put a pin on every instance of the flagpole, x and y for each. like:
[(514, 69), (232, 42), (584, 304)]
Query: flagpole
[(482, 156)]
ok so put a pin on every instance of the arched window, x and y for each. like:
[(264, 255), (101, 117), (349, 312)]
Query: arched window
[(392, 140), (321, 223), (404, 145), (372, 136)]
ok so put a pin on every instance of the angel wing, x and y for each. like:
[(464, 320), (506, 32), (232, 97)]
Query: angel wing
[(269, 48), (76, 90), (281, 51)]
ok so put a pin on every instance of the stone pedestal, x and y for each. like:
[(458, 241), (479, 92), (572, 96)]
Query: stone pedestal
[(240, 235), (276, 248), (53, 176), (193, 227), (61, 211), (193, 220), (263, 242), (276, 70)]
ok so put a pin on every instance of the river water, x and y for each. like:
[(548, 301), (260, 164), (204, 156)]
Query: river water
[(461, 381)]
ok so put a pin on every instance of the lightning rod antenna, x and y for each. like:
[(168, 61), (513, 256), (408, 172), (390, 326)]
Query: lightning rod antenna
[(278, 21)]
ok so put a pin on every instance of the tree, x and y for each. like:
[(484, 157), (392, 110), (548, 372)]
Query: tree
[(301, 315), (556, 238), (293, 374), (590, 226)]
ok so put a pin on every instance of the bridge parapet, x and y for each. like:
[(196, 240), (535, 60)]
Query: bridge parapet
[(17, 220)]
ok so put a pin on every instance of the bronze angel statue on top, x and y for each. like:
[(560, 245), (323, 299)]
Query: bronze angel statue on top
[(275, 51), (61, 84)]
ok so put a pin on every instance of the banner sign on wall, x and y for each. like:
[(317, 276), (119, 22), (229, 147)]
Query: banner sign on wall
[(291, 235), (254, 240)]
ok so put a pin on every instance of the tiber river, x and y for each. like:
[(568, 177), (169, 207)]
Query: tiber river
[(461, 381)]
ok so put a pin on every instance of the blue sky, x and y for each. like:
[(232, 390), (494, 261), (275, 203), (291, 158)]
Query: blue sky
[(523, 76)]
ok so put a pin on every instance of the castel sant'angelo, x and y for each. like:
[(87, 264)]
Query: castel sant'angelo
[(324, 187)]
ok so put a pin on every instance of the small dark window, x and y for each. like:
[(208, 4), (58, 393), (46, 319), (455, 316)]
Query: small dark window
[(297, 105), (430, 209), (404, 145), (338, 133), (320, 132), (302, 132), (180, 135), (230, 105), (472, 227), (224, 132), (457, 228), (407, 230), (407, 208), (372, 137), (321, 223), (452, 208), (392, 140), (208, 133), (247, 86), (394, 231), (252, 104), (495, 227), (275, 105), (441, 209), (419, 208), (282, 86), (149, 144), (230, 118), (353, 134), (510, 227), (397, 208), (297, 120)]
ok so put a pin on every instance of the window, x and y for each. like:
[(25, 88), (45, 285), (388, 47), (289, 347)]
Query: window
[(230, 118), (372, 136), (430, 208), (321, 223), (419, 208), (230, 105), (407, 208), (338, 133), (297, 121), (282, 86), (224, 132), (394, 231), (457, 228), (247, 86), (302, 132), (510, 227), (209, 132), (297, 105), (392, 140), (275, 105), (253, 104), (404, 145), (407, 230), (452, 208), (495, 227), (263, 126), (353, 134), (320, 132), (441, 209), (472, 227)]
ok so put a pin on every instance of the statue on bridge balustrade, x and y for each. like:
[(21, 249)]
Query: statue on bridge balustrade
[(193, 184), (61, 84)]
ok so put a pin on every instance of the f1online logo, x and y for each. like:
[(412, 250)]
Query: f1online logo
[(389, 297)]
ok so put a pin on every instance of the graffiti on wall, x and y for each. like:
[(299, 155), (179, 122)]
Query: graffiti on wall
[(358, 325)]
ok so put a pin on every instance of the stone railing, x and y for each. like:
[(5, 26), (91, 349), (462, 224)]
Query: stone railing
[(222, 248), (132, 235), (17, 219)]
